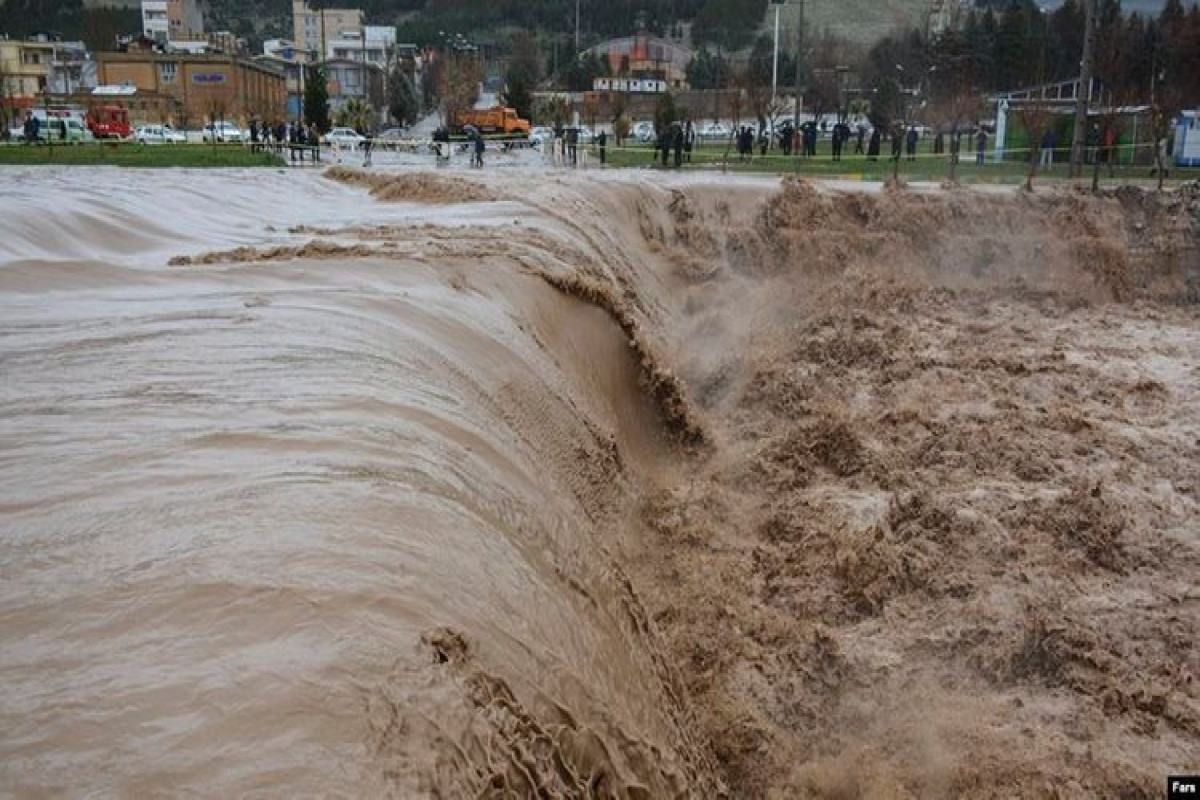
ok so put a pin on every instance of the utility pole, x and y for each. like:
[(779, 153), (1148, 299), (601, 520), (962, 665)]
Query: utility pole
[(775, 58), (1083, 95), (799, 68)]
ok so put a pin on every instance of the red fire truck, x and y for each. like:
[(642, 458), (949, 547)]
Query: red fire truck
[(109, 122)]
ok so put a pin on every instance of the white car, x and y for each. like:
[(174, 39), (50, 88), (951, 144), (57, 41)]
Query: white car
[(159, 134), (223, 132), (344, 138), (715, 130), (539, 136), (644, 131)]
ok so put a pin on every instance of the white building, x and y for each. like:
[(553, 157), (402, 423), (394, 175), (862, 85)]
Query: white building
[(374, 45), (154, 20)]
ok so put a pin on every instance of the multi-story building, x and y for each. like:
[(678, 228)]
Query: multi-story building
[(374, 45), (354, 80), (24, 75), (185, 89), (166, 21), (184, 20), (283, 55), (154, 20), (71, 68), (313, 29)]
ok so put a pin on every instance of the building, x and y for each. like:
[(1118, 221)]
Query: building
[(71, 68), (25, 68), (166, 21), (353, 79), (645, 58), (154, 20), (314, 29), (284, 56), (375, 45), (188, 90)]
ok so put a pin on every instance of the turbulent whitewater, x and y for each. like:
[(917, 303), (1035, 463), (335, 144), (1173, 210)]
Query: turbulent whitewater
[(554, 485)]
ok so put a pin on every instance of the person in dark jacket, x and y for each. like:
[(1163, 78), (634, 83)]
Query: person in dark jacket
[(874, 147), (980, 146), (897, 142), (602, 143), (679, 137), (860, 141), (911, 143)]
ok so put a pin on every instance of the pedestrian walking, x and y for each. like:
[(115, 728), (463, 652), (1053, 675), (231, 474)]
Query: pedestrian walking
[(981, 139)]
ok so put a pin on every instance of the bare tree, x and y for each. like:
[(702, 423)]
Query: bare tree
[(1035, 116)]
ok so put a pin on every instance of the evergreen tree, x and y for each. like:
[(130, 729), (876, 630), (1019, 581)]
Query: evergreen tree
[(316, 98), (403, 103)]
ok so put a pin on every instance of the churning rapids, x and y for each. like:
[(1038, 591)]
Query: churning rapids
[(306, 492)]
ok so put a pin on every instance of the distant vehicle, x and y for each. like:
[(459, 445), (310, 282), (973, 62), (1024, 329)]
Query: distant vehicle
[(541, 135), (392, 135), (492, 120), (344, 138), (644, 131), (159, 134), (64, 129), (715, 130), (109, 122), (223, 132), (586, 134)]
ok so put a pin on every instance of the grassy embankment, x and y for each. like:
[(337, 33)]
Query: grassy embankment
[(124, 154), (927, 167)]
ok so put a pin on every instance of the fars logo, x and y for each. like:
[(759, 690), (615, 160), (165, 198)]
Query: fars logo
[(1183, 787)]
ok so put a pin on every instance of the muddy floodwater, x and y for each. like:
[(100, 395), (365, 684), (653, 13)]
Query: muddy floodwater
[(530, 483)]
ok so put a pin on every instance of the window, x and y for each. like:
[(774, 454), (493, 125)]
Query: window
[(33, 58), (167, 70)]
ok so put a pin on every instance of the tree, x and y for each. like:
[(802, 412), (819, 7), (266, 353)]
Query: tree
[(523, 75), (403, 103), (706, 72), (458, 85), (316, 98), (357, 114)]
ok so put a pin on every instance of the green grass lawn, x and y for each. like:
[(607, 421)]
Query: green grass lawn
[(135, 155), (927, 167)]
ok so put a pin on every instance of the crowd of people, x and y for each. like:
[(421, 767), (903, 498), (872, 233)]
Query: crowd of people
[(295, 137)]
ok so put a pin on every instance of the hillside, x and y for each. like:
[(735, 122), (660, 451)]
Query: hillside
[(863, 21)]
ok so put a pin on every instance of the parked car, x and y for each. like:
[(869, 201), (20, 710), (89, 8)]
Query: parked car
[(159, 134), (644, 131), (223, 132), (392, 135), (540, 135), (715, 130), (346, 138)]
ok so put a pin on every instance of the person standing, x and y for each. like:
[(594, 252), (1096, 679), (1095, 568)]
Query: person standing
[(876, 145), (1049, 141), (897, 142), (981, 139), (858, 143), (689, 140), (679, 137), (573, 145), (602, 143), (939, 143), (911, 143), (479, 148)]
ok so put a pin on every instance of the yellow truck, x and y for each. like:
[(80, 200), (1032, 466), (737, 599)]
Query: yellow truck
[(498, 120)]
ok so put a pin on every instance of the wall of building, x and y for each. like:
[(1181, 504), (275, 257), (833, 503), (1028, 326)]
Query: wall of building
[(26, 68), (196, 88), (313, 30)]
